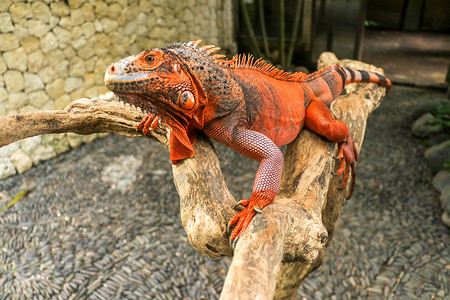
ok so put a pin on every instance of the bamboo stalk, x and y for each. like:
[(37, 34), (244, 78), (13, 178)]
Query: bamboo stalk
[(298, 10), (262, 24), (248, 27), (281, 41)]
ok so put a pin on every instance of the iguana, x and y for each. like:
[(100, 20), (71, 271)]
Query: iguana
[(246, 104)]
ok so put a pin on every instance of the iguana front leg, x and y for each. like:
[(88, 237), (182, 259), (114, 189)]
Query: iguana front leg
[(149, 121), (259, 147), (319, 119)]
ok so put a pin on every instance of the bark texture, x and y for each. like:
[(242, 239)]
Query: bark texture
[(284, 243)]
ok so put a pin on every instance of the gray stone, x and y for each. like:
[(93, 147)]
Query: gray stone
[(437, 155), (72, 83), (58, 142), (62, 102), (445, 198), (13, 81), (59, 9), (70, 53), (441, 179), (63, 36), (27, 108), (48, 74), (62, 68), (33, 82), (17, 100), (76, 17), (7, 150), (30, 44), (75, 140), (42, 153), (421, 128), (38, 98), (36, 60), (88, 29), (16, 59), (30, 144), (86, 52), (40, 11), (77, 67), (56, 88), (8, 42), (122, 172), (2, 66), (109, 25), (88, 12), (4, 5), (6, 23), (49, 42), (6, 168), (3, 95), (75, 3), (37, 28), (20, 11), (79, 42), (446, 219), (21, 161)]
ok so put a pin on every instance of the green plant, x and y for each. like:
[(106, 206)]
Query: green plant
[(441, 120)]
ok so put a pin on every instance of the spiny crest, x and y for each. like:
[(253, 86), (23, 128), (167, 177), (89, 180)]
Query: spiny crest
[(207, 50), (247, 61)]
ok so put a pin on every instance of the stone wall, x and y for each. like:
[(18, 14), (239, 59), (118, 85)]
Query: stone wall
[(54, 52)]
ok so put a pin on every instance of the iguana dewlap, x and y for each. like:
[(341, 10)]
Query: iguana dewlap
[(246, 104)]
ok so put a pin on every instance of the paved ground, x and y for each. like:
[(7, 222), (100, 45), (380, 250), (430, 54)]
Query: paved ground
[(102, 222), (415, 58)]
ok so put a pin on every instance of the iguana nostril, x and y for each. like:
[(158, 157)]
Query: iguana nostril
[(112, 69)]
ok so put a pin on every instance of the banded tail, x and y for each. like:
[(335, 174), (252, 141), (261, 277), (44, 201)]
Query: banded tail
[(328, 84)]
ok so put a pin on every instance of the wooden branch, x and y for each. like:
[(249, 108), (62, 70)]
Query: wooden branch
[(282, 245), (83, 116)]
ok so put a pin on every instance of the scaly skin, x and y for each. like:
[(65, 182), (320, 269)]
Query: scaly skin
[(248, 105)]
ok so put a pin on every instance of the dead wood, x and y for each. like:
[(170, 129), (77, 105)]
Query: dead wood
[(282, 245)]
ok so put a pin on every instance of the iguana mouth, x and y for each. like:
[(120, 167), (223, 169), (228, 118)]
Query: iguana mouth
[(126, 83), (138, 101)]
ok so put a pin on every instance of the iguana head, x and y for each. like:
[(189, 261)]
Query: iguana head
[(168, 82)]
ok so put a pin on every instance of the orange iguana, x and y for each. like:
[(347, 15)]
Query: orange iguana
[(246, 104)]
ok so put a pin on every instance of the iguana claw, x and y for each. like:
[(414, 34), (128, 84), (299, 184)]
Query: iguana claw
[(233, 243), (149, 122), (258, 210), (253, 205), (237, 204)]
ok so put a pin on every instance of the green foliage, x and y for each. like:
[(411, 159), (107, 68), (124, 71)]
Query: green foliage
[(441, 120)]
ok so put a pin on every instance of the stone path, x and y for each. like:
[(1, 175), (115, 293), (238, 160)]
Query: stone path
[(102, 222)]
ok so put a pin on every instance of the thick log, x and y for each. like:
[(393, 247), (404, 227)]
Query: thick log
[(282, 245)]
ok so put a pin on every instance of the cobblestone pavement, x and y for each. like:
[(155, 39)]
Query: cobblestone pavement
[(102, 222)]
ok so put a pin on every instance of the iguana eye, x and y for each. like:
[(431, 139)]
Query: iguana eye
[(185, 100), (149, 58)]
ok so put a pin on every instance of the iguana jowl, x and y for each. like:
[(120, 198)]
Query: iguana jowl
[(246, 104)]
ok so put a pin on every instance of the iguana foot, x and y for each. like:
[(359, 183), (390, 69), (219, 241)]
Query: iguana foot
[(252, 206), (149, 122), (348, 156)]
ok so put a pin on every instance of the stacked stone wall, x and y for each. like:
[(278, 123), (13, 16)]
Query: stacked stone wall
[(55, 52)]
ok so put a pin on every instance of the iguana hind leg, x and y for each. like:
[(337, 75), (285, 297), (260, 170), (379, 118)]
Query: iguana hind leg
[(320, 120)]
